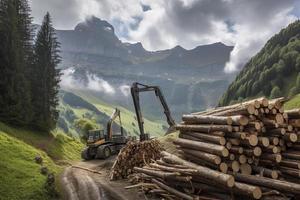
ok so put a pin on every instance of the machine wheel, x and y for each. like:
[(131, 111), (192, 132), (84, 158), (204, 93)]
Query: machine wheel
[(106, 152), (103, 152), (85, 154)]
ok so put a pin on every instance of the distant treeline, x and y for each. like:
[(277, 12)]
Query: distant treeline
[(29, 81), (273, 72)]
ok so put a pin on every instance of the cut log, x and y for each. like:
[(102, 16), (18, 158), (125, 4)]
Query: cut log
[(277, 103), (236, 150), (223, 167), (218, 177), (248, 190), (210, 119), (272, 149), (274, 140), (294, 113), (290, 137), (234, 166), (252, 152), (209, 138), (266, 172), (263, 141), (290, 163), (173, 169), (206, 147), (205, 128), (291, 155), (251, 140), (246, 169), (290, 171), (202, 155), (238, 135), (273, 157), (242, 159), (284, 186), (159, 174)]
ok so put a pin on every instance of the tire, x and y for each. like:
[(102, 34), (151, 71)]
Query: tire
[(85, 155), (106, 152)]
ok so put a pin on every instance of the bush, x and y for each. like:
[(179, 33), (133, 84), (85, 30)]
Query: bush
[(84, 126), (293, 91), (275, 93)]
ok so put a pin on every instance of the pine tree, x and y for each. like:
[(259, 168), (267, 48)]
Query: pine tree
[(45, 85), (16, 42)]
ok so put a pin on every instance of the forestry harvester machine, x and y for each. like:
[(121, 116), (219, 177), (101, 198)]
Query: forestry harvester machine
[(136, 89), (101, 144)]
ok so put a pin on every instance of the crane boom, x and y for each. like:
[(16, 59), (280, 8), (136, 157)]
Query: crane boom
[(136, 88), (113, 117)]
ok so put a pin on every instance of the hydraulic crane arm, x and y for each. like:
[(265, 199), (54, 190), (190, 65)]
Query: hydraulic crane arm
[(116, 114), (136, 88)]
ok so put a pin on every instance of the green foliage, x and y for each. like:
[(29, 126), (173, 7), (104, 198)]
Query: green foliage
[(293, 92), (84, 125), (15, 54), (271, 72), (275, 93), (46, 77)]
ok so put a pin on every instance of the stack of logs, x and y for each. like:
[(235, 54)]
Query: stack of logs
[(250, 149), (134, 154)]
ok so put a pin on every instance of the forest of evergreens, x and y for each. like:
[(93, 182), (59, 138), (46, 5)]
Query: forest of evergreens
[(29, 82), (273, 72)]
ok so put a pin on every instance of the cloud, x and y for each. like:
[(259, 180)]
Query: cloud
[(162, 24), (93, 82), (125, 90)]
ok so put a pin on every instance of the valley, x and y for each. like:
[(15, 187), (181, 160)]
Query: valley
[(190, 79)]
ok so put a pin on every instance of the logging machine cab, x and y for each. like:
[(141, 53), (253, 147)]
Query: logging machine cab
[(101, 143), (95, 135), (136, 88)]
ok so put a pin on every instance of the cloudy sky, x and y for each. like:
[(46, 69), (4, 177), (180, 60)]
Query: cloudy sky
[(162, 24)]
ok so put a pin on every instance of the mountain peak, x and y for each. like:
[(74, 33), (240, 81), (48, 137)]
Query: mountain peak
[(94, 24)]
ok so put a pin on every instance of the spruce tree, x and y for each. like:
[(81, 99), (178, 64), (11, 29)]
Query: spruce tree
[(16, 42), (46, 77)]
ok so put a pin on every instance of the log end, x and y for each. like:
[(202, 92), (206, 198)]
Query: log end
[(253, 140), (257, 193), (223, 167), (257, 151), (230, 182), (225, 152)]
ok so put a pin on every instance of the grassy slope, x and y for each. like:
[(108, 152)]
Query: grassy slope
[(293, 103), (20, 175), (128, 117)]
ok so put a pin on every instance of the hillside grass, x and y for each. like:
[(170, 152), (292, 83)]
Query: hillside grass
[(155, 128), (20, 174), (293, 103)]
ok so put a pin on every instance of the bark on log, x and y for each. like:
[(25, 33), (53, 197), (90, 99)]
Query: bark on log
[(205, 128), (218, 177), (206, 147), (266, 172), (270, 183), (210, 119), (294, 113), (202, 155), (208, 138)]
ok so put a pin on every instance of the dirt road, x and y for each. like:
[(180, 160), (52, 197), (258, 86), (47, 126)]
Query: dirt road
[(79, 184)]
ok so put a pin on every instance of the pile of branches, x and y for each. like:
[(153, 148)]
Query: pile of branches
[(135, 154), (250, 149)]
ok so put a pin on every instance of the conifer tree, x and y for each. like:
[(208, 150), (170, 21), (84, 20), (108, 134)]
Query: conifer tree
[(45, 85), (16, 42)]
